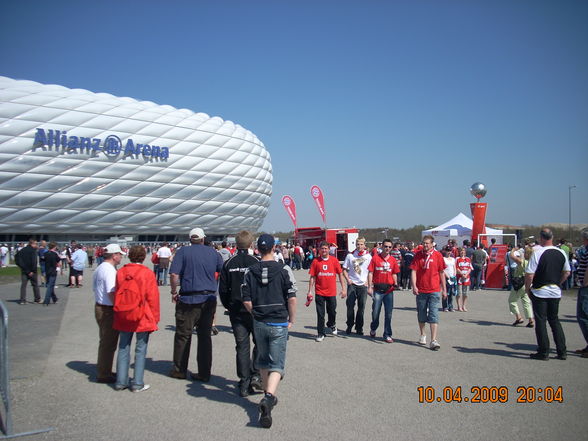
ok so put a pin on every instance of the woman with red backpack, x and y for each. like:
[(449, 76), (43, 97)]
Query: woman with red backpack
[(136, 311)]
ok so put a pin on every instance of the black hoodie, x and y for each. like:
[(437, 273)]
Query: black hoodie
[(268, 285)]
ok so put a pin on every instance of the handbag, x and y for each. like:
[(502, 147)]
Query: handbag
[(518, 282), (382, 287)]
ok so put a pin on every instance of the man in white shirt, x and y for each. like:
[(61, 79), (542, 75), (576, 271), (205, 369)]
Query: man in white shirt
[(164, 254), (547, 270), (104, 285), (355, 270), (4, 255)]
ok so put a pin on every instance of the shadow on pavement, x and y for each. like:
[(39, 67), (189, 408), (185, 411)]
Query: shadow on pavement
[(488, 351), (161, 367), (83, 367), (485, 323), (221, 390)]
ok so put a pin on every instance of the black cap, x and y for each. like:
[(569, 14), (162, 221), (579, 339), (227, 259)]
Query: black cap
[(265, 243)]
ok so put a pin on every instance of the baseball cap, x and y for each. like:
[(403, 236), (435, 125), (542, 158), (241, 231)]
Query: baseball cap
[(265, 243), (198, 233), (113, 248)]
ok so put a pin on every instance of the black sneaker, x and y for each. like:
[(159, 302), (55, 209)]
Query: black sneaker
[(563, 356), (266, 405), (348, 331), (538, 356), (244, 388)]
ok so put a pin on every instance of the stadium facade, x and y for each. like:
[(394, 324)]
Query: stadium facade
[(74, 163)]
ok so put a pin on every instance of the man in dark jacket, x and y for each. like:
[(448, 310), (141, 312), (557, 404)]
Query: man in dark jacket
[(269, 293), (26, 260), (231, 279)]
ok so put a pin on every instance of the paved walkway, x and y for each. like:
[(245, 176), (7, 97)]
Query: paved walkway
[(344, 388)]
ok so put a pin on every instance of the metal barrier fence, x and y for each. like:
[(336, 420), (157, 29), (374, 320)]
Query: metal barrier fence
[(6, 410)]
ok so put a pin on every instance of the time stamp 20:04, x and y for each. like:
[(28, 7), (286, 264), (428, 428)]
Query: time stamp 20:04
[(490, 394)]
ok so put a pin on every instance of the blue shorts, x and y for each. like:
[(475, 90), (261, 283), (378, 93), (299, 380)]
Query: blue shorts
[(428, 307), (271, 346)]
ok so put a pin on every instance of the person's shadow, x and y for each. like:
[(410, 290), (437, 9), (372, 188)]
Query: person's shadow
[(224, 391), (83, 367)]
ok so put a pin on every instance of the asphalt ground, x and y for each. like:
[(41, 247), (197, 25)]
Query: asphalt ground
[(344, 388)]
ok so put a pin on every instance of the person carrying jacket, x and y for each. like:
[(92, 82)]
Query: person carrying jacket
[(231, 279)]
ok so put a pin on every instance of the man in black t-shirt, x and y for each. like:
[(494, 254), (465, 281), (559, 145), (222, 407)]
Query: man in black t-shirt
[(52, 262)]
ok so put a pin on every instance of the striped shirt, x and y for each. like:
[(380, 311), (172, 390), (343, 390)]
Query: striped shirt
[(582, 254)]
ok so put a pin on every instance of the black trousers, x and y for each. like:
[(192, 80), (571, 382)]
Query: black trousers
[(331, 305), (356, 293), (546, 310), (188, 316), (242, 324)]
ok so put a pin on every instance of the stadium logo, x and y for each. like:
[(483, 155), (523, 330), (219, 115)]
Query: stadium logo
[(111, 146)]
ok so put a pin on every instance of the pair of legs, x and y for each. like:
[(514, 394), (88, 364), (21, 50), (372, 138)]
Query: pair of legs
[(462, 297), (477, 276), (76, 277), (24, 279), (428, 312), (388, 301), (108, 341), (188, 316), (271, 344), (242, 324), (330, 303), (582, 312), (123, 359), (451, 293), (50, 292), (356, 293), (546, 310), (513, 300)]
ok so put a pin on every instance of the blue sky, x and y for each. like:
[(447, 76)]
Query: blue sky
[(394, 108)]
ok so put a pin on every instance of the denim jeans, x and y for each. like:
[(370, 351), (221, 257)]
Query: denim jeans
[(546, 310), (162, 276), (388, 301), (356, 293), (242, 324), (428, 307), (271, 346), (50, 293), (582, 311), (123, 359), (451, 293)]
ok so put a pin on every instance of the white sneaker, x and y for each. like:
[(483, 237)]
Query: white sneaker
[(435, 345), (142, 389), (319, 338), (334, 330), (423, 340)]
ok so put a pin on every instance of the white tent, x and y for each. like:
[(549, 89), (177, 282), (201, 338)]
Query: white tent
[(459, 228)]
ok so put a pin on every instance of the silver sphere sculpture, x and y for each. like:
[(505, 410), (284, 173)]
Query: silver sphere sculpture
[(478, 190)]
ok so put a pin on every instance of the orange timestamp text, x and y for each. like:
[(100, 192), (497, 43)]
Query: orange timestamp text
[(490, 394)]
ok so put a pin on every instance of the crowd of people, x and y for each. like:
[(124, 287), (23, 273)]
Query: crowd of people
[(257, 287)]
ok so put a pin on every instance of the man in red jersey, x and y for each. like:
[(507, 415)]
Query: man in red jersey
[(428, 284), (382, 278), (323, 276)]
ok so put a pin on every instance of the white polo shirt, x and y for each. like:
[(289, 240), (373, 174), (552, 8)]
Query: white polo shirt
[(104, 283)]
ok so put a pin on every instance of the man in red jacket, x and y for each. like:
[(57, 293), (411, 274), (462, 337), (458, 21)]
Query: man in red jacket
[(323, 276), (428, 284)]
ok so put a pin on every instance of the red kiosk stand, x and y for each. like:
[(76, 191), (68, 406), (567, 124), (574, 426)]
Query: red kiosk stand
[(496, 277)]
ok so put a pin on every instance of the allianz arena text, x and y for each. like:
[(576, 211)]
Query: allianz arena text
[(92, 163)]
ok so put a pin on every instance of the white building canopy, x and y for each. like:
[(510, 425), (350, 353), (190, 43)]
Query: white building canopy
[(459, 228)]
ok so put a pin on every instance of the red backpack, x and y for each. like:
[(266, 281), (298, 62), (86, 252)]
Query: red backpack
[(129, 302)]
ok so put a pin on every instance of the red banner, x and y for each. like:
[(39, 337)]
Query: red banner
[(317, 195), (290, 207), (479, 224)]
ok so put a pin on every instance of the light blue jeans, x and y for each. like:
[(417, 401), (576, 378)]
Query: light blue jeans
[(123, 359), (388, 301), (271, 344)]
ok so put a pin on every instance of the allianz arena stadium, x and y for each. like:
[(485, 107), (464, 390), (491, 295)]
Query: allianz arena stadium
[(92, 165)]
